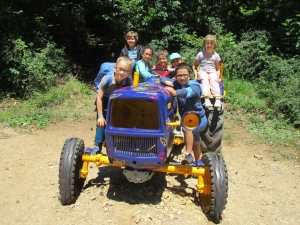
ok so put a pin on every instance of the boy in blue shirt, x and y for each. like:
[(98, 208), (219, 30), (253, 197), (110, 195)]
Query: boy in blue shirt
[(132, 50), (189, 94)]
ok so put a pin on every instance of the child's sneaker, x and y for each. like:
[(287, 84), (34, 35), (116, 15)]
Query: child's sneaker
[(95, 150), (218, 103), (188, 159), (207, 103)]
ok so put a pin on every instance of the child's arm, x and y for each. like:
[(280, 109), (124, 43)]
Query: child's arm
[(170, 69), (123, 52), (167, 81), (143, 70), (156, 71), (218, 68), (100, 120), (189, 92), (195, 66), (171, 90)]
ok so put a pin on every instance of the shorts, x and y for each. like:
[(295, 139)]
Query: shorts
[(202, 126)]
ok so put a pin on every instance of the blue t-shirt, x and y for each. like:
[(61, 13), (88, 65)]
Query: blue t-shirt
[(132, 54)]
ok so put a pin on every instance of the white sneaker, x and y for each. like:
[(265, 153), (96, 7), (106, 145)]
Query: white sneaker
[(218, 103), (207, 103)]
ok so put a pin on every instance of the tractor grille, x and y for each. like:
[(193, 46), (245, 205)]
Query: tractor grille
[(135, 146)]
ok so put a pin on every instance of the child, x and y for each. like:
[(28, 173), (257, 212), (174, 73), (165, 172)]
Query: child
[(175, 59), (189, 99), (132, 50), (122, 70), (209, 71), (162, 68), (143, 66)]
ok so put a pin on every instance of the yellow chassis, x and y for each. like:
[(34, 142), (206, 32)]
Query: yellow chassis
[(203, 173)]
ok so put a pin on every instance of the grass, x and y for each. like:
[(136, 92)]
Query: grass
[(251, 111), (229, 138), (278, 155), (241, 94), (70, 100)]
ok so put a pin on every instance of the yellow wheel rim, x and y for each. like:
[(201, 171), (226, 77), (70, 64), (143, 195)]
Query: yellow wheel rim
[(191, 121), (205, 197)]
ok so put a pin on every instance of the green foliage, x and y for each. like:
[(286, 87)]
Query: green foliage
[(42, 108), (248, 57), (66, 25), (242, 94), (226, 43), (292, 31), (279, 85), (258, 41), (34, 38), (28, 71)]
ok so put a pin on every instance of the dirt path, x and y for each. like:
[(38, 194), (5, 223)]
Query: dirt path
[(261, 190)]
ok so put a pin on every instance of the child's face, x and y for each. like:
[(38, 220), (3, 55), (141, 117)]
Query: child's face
[(122, 70), (182, 76), (162, 60), (209, 46), (131, 41), (175, 62), (147, 55)]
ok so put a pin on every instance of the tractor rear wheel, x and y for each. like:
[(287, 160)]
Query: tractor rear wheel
[(70, 183), (214, 197), (211, 136)]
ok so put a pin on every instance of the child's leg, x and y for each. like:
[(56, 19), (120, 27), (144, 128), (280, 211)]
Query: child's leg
[(197, 146), (203, 77), (188, 139), (215, 88), (197, 150), (214, 83)]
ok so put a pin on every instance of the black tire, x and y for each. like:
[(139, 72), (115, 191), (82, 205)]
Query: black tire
[(211, 136), (70, 184), (214, 198)]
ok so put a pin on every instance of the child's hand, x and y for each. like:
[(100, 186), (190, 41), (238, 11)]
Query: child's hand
[(170, 69), (100, 122), (169, 83), (171, 90)]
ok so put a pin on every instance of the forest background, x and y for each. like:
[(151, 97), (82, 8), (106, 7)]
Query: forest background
[(43, 42)]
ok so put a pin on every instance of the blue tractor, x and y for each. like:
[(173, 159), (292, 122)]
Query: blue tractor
[(140, 134)]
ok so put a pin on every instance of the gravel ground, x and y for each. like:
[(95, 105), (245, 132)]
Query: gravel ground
[(261, 190)]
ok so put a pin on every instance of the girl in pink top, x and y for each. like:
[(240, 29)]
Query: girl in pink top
[(209, 72), (162, 68)]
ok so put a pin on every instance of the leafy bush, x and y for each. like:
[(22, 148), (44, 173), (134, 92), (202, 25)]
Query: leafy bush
[(291, 27), (28, 70), (248, 57), (279, 85)]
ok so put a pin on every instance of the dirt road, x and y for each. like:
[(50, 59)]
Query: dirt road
[(261, 190)]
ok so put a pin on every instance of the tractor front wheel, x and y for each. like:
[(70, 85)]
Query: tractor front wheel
[(214, 197), (70, 183)]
